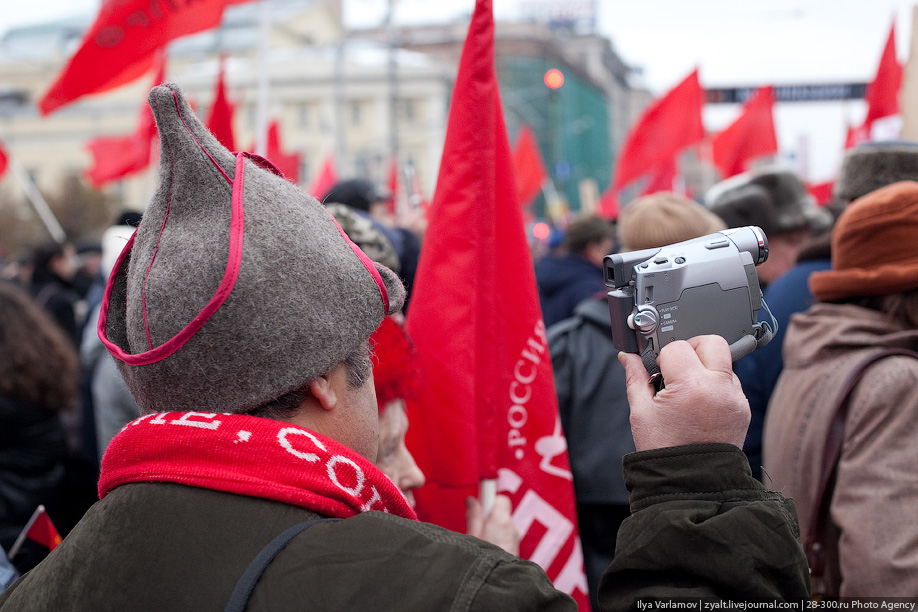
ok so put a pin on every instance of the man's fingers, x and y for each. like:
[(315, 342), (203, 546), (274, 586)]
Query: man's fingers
[(474, 517), (714, 353), (640, 392)]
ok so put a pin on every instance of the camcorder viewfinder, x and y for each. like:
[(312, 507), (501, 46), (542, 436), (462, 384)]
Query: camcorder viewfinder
[(706, 285)]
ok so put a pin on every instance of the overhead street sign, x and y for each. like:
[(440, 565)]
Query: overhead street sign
[(790, 93)]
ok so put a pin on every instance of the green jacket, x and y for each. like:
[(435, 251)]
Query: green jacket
[(698, 515)]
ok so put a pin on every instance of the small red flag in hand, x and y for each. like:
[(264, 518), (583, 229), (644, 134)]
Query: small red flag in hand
[(39, 529)]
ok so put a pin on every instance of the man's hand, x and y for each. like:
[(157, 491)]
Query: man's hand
[(498, 529), (702, 402)]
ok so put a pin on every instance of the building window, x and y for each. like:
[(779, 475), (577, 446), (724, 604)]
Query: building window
[(409, 112), (355, 113), (303, 114)]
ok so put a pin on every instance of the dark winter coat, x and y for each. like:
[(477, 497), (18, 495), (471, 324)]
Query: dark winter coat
[(702, 526), (563, 283), (594, 411)]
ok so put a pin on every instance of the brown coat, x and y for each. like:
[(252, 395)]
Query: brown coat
[(876, 495)]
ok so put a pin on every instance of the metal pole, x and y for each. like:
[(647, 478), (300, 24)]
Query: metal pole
[(393, 80), (261, 106), (38, 202)]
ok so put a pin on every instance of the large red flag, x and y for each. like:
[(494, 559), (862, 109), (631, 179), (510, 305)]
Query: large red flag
[(662, 177), (669, 124), (528, 167), (287, 163), (121, 44), (487, 408), (116, 157), (325, 178), (220, 119), (751, 135)]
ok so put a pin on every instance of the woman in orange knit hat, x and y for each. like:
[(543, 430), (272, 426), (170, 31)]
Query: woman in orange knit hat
[(868, 303)]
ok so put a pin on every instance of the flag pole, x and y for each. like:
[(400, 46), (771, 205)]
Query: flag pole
[(261, 105), (38, 202), (22, 534)]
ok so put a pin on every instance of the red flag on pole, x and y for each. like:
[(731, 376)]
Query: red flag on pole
[(669, 124), (392, 184), (116, 157), (220, 120), (39, 529), (287, 163), (487, 408), (528, 166), (751, 135), (121, 44), (325, 179), (883, 93), (4, 160)]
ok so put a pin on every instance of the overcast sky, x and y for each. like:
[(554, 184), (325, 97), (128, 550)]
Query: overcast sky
[(732, 42)]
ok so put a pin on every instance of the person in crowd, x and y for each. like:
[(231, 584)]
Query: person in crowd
[(362, 197), (245, 344), (776, 200), (39, 378), (590, 382), (863, 169), (395, 380), (88, 263), (108, 405), (867, 302), (53, 268), (566, 280)]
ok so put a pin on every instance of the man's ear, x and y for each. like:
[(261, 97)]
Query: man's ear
[(324, 391)]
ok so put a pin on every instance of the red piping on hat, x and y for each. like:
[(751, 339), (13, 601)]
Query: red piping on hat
[(230, 275), (143, 288), (367, 263)]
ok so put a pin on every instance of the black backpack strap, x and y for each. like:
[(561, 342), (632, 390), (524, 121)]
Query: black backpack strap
[(250, 577)]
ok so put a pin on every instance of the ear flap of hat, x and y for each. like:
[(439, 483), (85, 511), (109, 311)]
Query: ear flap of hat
[(238, 286)]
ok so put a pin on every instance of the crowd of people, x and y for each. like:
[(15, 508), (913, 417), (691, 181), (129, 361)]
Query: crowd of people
[(208, 403)]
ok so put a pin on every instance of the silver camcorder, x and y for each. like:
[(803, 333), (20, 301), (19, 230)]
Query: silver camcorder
[(706, 285)]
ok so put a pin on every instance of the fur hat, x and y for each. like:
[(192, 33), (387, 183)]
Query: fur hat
[(237, 287), (664, 218), (874, 251), (366, 235), (773, 198), (873, 165), (356, 193)]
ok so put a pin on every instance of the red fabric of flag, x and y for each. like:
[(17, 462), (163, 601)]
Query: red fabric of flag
[(116, 157), (661, 178), (486, 407), (43, 531), (220, 120), (751, 135), (325, 179), (822, 192), (883, 93), (528, 167), (4, 160), (121, 44), (287, 163), (392, 184), (669, 124)]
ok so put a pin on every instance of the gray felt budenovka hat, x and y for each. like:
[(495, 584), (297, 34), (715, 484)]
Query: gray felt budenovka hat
[(238, 286)]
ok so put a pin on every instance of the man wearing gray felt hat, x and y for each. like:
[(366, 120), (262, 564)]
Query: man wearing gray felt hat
[(239, 314)]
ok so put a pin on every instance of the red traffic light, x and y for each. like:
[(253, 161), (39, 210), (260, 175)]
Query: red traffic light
[(554, 78)]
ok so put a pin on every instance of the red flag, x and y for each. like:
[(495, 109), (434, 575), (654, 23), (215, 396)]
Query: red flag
[(751, 135), (662, 177), (883, 93), (121, 44), (608, 204), (287, 163), (4, 160), (392, 184), (528, 167), (39, 529), (116, 157), (669, 124), (325, 179), (220, 120), (822, 192), (486, 407)]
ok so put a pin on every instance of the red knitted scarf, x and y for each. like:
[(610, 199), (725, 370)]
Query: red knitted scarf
[(249, 456)]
